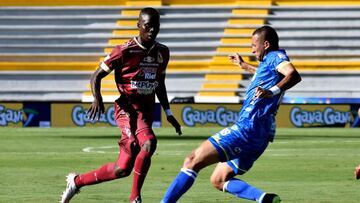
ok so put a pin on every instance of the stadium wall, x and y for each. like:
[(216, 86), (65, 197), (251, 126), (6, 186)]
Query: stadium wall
[(174, 2), (46, 114)]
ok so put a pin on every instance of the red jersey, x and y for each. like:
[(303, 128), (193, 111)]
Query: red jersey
[(137, 71)]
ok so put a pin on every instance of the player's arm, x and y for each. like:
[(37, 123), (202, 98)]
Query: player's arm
[(161, 94), (238, 60), (291, 78), (97, 106)]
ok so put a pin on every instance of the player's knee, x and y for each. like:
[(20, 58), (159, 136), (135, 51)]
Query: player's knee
[(217, 182), (149, 146), (120, 173), (189, 161)]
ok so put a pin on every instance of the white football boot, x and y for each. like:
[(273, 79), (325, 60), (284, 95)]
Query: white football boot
[(137, 200), (70, 190)]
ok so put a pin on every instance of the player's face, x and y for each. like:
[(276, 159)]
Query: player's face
[(258, 46), (148, 28)]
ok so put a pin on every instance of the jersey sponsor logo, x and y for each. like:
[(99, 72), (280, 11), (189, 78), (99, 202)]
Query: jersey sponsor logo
[(135, 51), (149, 59), (220, 116), (80, 118), (149, 64), (149, 73), (150, 76), (144, 87), (328, 116)]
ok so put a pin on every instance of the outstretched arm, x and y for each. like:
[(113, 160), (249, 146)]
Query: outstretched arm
[(237, 60), (161, 94), (97, 106), (291, 78)]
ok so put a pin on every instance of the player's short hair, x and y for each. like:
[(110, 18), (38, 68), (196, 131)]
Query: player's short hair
[(150, 11), (269, 34)]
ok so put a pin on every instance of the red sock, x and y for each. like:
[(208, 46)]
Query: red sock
[(104, 173), (141, 167)]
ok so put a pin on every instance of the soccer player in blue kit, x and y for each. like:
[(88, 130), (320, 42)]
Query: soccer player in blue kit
[(236, 148)]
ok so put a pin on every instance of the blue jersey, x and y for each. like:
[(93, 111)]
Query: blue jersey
[(266, 76), (243, 143)]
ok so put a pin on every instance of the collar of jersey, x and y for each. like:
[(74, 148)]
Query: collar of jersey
[(141, 46)]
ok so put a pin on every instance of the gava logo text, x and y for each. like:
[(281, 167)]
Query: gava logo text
[(326, 117), (79, 116), (220, 116), (14, 116)]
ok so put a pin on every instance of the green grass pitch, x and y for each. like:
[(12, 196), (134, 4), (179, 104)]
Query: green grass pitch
[(302, 165)]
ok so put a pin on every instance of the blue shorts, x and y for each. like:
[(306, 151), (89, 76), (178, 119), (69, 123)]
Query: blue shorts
[(242, 144)]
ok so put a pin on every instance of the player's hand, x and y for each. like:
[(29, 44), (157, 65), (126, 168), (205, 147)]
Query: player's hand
[(357, 172), (171, 119), (263, 93), (236, 59), (96, 109)]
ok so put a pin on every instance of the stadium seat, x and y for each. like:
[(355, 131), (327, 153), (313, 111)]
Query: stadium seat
[(321, 38)]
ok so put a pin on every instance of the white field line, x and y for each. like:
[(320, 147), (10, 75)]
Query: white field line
[(315, 141), (270, 152), (39, 153), (166, 152), (158, 152)]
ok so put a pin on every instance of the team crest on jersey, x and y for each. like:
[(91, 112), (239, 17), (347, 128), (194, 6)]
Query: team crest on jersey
[(160, 58), (149, 59)]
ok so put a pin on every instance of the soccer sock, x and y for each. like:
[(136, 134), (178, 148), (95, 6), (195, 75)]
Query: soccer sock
[(180, 185), (104, 173), (141, 167), (241, 189)]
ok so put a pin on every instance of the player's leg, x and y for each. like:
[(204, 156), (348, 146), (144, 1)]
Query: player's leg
[(237, 144), (203, 156), (123, 166), (223, 179), (357, 172), (110, 171), (147, 142)]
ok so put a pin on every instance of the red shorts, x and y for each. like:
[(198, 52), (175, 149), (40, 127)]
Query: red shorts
[(135, 127)]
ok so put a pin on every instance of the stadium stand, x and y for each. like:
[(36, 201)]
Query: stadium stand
[(54, 49)]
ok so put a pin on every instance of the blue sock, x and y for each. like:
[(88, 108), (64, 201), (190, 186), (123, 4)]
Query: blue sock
[(179, 186), (241, 189)]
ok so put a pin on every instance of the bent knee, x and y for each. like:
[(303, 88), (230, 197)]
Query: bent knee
[(217, 182), (190, 161), (120, 173), (149, 146)]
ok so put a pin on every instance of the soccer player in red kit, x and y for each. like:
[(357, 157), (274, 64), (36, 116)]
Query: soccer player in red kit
[(139, 67)]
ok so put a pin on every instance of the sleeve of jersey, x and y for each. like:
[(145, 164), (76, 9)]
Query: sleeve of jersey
[(165, 55), (112, 60), (280, 60)]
